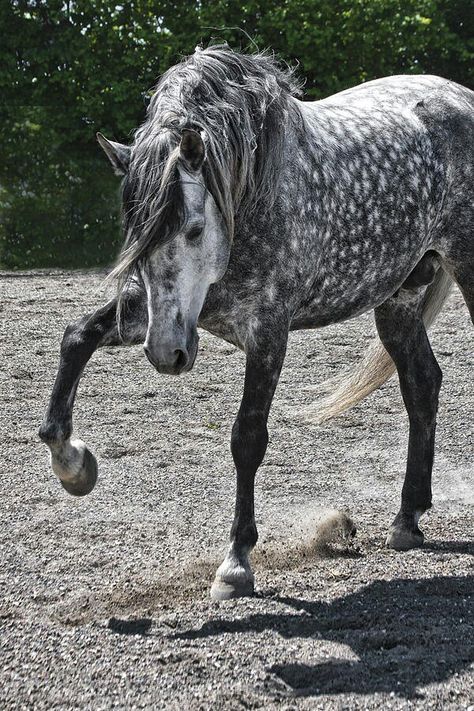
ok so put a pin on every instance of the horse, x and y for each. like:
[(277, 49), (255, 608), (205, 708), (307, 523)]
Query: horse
[(250, 213)]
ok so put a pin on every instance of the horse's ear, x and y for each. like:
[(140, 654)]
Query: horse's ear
[(118, 154), (191, 149)]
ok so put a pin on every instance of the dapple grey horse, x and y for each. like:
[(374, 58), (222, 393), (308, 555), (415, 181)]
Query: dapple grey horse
[(251, 213)]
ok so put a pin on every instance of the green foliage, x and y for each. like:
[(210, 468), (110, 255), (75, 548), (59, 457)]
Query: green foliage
[(68, 69)]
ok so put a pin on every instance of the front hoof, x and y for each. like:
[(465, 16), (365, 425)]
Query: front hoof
[(222, 590), (403, 539), (76, 468), (86, 479), (234, 578)]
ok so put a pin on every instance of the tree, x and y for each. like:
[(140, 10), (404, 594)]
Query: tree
[(68, 69)]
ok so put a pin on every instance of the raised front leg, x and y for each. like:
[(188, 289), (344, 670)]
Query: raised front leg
[(401, 329), (71, 461), (234, 578)]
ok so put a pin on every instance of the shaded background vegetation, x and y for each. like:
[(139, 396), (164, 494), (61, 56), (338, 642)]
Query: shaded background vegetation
[(68, 69)]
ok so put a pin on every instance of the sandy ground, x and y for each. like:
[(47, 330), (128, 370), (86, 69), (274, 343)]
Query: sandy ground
[(105, 599)]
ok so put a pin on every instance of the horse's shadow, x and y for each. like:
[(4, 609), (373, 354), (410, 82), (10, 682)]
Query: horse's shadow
[(466, 547), (405, 633)]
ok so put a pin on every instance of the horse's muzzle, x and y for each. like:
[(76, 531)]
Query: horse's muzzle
[(173, 358)]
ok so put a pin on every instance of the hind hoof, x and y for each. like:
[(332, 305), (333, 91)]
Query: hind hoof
[(402, 539), (221, 590), (76, 468)]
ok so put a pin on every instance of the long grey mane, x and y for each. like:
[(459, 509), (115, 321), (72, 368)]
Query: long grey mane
[(241, 105)]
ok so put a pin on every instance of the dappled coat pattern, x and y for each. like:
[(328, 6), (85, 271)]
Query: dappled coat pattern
[(251, 213)]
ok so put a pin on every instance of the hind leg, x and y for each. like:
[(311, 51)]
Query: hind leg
[(401, 330)]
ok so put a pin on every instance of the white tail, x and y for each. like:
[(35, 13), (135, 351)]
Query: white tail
[(377, 366)]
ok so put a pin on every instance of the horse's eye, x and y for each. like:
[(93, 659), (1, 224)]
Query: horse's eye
[(194, 233)]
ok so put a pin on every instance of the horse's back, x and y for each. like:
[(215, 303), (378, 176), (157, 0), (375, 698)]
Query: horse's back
[(403, 90), (435, 113), (445, 109)]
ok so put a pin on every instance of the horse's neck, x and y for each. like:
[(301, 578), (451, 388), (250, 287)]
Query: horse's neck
[(302, 162)]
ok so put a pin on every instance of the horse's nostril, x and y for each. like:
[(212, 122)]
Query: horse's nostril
[(167, 361), (181, 358)]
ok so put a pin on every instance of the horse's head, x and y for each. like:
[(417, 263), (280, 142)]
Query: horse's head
[(176, 242)]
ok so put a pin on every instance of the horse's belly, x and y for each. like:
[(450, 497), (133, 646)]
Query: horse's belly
[(337, 297), (324, 310)]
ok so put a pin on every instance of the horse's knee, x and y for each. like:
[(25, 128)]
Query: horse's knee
[(80, 336), (74, 333), (249, 442), (73, 342)]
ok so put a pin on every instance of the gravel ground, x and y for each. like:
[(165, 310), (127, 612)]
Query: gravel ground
[(105, 599)]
